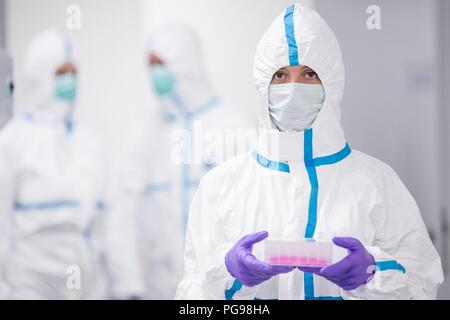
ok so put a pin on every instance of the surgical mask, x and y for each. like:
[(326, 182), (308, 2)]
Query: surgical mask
[(66, 87), (163, 80), (295, 106)]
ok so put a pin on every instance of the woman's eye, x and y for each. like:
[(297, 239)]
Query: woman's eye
[(279, 75), (311, 75)]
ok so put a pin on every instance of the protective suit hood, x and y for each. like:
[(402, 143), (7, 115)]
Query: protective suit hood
[(299, 36), (46, 52), (180, 50)]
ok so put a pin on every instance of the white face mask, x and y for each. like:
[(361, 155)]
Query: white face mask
[(295, 106)]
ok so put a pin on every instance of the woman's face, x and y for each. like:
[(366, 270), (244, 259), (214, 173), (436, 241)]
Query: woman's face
[(297, 74)]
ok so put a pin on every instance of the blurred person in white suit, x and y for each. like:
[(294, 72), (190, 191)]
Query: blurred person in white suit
[(305, 181), (191, 131), (55, 224)]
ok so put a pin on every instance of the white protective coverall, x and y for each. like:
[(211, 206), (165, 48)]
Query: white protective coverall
[(307, 184), (56, 233), (190, 132)]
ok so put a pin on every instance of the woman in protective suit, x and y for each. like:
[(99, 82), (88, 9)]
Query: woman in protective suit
[(304, 181)]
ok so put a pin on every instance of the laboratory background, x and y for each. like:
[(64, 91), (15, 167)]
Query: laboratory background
[(397, 96)]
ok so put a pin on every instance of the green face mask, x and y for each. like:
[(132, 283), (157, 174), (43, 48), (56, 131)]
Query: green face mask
[(66, 87), (163, 80)]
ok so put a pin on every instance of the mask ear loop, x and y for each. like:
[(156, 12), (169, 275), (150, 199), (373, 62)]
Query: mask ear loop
[(265, 118)]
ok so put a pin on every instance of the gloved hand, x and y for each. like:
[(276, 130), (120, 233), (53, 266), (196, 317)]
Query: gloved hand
[(352, 271), (243, 265)]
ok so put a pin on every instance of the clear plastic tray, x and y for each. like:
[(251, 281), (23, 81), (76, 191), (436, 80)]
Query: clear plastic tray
[(299, 252)]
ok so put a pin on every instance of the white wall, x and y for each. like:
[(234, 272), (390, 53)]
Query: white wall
[(230, 31)]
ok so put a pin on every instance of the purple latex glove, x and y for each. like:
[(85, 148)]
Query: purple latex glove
[(352, 271), (243, 265)]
